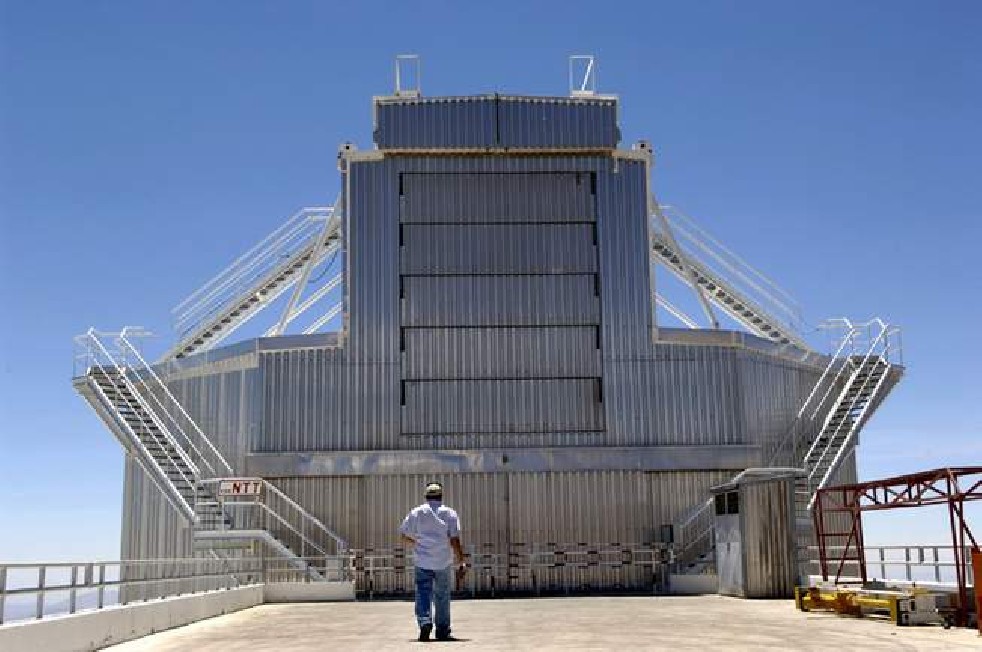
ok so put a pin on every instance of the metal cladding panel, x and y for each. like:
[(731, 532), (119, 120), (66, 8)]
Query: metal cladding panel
[(466, 197), (571, 507), (625, 272), (494, 121), (500, 300), (686, 395), (454, 122), (674, 493), (337, 501), (767, 513), (370, 417), (499, 406), (771, 393), (304, 400), (557, 122), (525, 440), (498, 249), (372, 248), (438, 353), (152, 529)]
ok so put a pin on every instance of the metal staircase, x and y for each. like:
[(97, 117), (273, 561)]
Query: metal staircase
[(284, 259), (857, 378), (863, 378), (721, 277), (159, 435)]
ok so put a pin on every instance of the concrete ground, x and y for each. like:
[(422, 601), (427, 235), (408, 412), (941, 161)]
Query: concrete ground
[(590, 623)]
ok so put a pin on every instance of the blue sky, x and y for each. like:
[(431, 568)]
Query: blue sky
[(143, 146)]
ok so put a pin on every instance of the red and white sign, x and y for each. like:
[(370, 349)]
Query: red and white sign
[(240, 487)]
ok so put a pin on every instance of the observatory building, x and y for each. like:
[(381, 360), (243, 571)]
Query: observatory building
[(479, 309)]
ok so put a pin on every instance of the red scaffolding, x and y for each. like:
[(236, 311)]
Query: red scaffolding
[(951, 486)]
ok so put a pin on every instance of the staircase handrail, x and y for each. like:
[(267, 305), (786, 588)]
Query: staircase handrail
[(297, 524), (856, 369), (736, 276), (833, 465), (716, 250), (248, 267), (304, 514), (713, 276), (219, 458), (835, 362), (130, 385), (183, 506)]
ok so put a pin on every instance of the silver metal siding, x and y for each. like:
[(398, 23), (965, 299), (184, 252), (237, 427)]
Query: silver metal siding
[(551, 122), (498, 248), (221, 398), (557, 300), (303, 400), (151, 528), (494, 121), (513, 352), (501, 406), (370, 417), (433, 123), (469, 197), (768, 539)]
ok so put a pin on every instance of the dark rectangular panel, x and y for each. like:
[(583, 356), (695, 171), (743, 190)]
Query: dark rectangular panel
[(500, 300), (461, 122), (550, 352), (501, 406), (494, 197), (498, 248), (530, 122)]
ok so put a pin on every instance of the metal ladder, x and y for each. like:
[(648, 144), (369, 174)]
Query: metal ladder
[(152, 426), (282, 260)]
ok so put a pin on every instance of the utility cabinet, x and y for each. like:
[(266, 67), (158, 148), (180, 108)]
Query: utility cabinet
[(756, 548)]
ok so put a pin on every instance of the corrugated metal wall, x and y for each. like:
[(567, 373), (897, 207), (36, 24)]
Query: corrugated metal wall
[(152, 529), (511, 513), (495, 121), (491, 301), (769, 539), (224, 399)]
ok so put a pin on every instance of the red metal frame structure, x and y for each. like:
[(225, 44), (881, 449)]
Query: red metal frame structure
[(951, 486)]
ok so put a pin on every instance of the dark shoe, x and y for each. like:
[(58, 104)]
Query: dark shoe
[(443, 634), (424, 632)]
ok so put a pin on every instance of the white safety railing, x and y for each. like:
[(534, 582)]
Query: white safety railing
[(905, 564), (39, 589), (694, 539), (184, 428), (250, 268), (273, 511), (741, 280), (536, 569), (875, 345)]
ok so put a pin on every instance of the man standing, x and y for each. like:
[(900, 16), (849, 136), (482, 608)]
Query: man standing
[(433, 530)]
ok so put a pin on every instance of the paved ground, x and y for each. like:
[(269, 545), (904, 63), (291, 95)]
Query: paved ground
[(663, 623)]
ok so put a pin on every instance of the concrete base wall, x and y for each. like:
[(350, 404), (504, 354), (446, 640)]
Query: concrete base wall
[(96, 629), (701, 584), (309, 591)]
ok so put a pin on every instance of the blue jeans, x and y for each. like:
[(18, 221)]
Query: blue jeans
[(433, 586)]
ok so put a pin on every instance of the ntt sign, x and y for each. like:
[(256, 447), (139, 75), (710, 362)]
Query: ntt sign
[(240, 487)]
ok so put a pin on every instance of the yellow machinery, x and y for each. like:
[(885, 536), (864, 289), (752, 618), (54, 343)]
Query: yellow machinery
[(903, 606)]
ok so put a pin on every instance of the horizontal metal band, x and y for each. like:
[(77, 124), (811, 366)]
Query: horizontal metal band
[(504, 460)]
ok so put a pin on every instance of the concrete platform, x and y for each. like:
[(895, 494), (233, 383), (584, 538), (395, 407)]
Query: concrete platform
[(676, 623)]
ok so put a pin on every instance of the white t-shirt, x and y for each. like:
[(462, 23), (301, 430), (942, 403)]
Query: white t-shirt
[(431, 524)]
